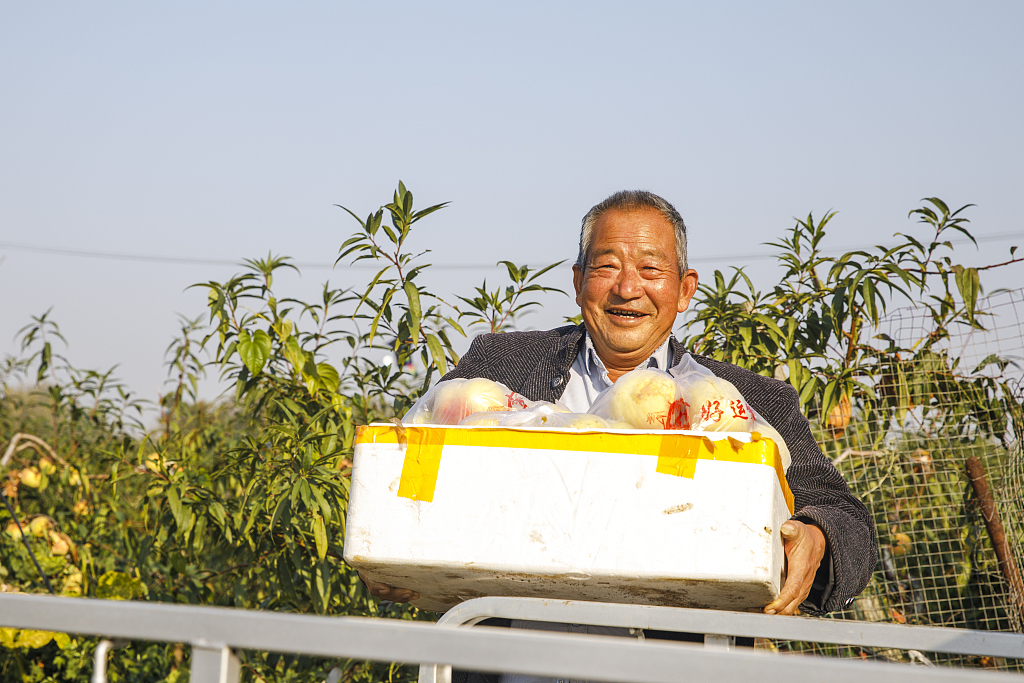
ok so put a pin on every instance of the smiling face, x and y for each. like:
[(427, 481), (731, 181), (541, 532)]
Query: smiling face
[(631, 289)]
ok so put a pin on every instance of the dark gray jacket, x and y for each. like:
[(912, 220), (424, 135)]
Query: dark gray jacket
[(536, 364)]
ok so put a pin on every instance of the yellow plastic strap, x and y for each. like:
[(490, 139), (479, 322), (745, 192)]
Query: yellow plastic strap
[(422, 463), (677, 453)]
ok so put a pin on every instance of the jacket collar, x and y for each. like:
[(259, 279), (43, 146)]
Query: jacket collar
[(676, 350)]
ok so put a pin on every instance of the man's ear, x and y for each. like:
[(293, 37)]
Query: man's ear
[(577, 283), (687, 288)]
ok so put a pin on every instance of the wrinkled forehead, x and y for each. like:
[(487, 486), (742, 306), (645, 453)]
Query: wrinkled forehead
[(638, 233), (631, 249)]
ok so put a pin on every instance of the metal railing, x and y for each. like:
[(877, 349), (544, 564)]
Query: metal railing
[(721, 628), (215, 633)]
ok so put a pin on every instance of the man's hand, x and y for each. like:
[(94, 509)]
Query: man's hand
[(386, 592), (805, 547)]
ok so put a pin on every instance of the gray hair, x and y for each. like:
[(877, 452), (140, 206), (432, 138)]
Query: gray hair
[(630, 200)]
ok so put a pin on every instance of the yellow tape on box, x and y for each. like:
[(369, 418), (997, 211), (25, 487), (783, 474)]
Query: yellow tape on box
[(677, 452)]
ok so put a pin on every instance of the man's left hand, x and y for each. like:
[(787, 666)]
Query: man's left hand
[(805, 548)]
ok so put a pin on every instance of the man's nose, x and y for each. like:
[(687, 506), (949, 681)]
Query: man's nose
[(629, 284)]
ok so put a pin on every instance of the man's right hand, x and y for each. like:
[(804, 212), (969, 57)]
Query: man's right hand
[(386, 592)]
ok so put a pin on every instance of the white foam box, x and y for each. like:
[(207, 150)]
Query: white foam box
[(655, 518)]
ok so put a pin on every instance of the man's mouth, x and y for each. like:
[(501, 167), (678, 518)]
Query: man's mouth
[(623, 313)]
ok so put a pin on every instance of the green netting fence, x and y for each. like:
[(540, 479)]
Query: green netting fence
[(956, 397)]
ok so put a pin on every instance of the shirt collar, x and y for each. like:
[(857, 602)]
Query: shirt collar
[(659, 360)]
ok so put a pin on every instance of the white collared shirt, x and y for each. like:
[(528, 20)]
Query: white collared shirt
[(588, 375)]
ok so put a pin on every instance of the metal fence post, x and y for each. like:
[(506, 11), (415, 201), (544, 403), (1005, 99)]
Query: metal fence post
[(715, 640), (99, 667), (214, 664)]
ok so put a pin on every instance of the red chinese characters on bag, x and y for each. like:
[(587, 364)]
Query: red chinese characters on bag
[(515, 401), (711, 412), (741, 411), (656, 420), (678, 415)]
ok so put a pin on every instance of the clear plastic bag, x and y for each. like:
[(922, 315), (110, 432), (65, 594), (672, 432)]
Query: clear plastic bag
[(712, 404), (448, 403), (642, 399), (551, 416), (582, 421), (538, 415), (491, 418)]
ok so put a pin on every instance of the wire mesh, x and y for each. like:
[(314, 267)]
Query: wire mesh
[(937, 562)]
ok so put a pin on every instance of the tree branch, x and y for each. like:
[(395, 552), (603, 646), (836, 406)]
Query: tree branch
[(34, 442), (994, 265)]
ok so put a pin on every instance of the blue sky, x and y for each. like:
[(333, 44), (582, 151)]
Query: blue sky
[(225, 131)]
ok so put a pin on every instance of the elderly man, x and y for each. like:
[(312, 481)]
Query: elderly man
[(631, 279)]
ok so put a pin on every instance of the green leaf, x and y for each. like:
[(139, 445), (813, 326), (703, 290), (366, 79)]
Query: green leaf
[(415, 313), (323, 585), (8, 636), (537, 273), (217, 510), (45, 357), (456, 325), (328, 377), (513, 270), (830, 398), (174, 503), (437, 353), (325, 508), (427, 211), (870, 293), (807, 391), (242, 384), (294, 354), (33, 639), (284, 328), (795, 372), (284, 577), (968, 283), (279, 511), (119, 586), (254, 350), (380, 311), (746, 334), (252, 520), (320, 535)]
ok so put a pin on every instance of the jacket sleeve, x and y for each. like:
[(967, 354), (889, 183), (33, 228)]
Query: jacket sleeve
[(823, 498)]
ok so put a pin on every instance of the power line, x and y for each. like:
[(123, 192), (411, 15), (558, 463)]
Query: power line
[(186, 260), (116, 256), (996, 237)]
